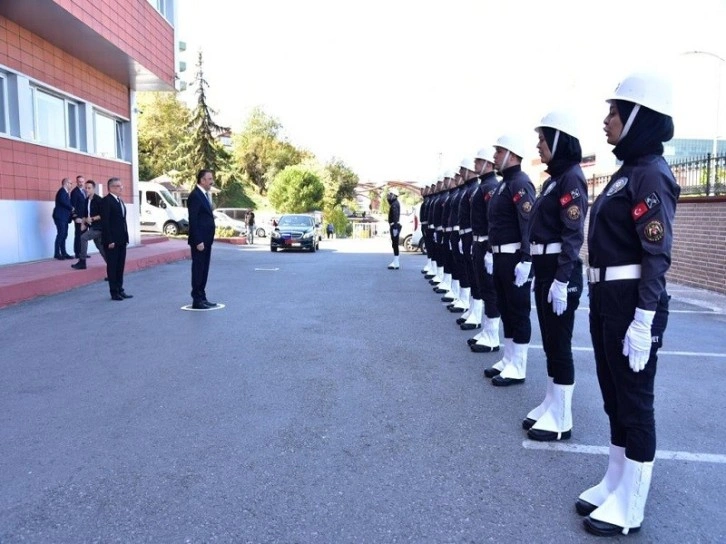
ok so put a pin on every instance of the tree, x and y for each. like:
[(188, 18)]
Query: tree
[(297, 189), (261, 152), (160, 117), (340, 184)]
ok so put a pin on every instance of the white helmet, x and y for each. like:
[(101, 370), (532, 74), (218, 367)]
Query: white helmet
[(650, 89), (467, 163), (393, 191), (449, 174), (561, 120), (486, 153), (513, 143)]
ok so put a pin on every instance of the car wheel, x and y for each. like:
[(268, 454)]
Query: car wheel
[(407, 245), (171, 228), (313, 247), (273, 248), (260, 233)]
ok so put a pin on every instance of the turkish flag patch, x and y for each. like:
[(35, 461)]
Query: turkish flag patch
[(518, 196), (565, 199), (639, 210)]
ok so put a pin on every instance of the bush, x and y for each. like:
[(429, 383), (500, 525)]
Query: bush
[(224, 232)]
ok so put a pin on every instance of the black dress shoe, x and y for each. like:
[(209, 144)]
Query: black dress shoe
[(447, 299), (67, 257), (483, 348), (460, 320), (429, 276), (105, 279), (489, 372), (199, 306), (539, 435), (603, 528), (471, 341), (469, 326), (505, 382), (584, 508), (116, 297), (209, 304), (457, 310), (79, 265), (125, 295), (527, 423)]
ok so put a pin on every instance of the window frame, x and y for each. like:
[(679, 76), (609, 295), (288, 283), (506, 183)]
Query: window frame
[(120, 151), (4, 105), (67, 104)]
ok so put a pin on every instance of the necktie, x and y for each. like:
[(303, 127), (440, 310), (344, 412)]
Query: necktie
[(123, 208), (209, 199)]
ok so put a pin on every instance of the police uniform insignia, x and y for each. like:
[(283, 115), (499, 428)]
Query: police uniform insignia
[(569, 197), (648, 203), (489, 195), (616, 186), (549, 189), (527, 207), (575, 193), (519, 195), (651, 200), (502, 187), (654, 231), (573, 213)]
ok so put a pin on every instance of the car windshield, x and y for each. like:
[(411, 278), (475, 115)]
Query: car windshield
[(296, 221)]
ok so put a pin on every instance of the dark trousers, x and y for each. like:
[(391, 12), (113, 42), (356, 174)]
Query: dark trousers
[(483, 284), (556, 329), (394, 239), (115, 263), (466, 265), (514, 302), (627, 396), (446, 254), (456, 258), (200, 272), (437, 247), (77, 239), (61, 227)]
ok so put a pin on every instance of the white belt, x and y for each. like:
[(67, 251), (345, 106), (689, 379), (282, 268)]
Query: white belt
[(440, 228), (431, 227), (464, 231), (456, 227), (447, 229), (481, 238), (612, 273), (507, 248), (545, 249)]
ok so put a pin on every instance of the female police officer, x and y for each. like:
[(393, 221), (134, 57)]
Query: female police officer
[(556, 235), (629, 245)]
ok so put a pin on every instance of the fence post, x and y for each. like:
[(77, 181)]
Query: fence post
[(709, 169)]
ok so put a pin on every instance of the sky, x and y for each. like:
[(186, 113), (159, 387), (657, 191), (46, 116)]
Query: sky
[(402, 90)]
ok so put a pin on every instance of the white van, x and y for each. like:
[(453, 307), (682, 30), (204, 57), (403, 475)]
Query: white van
[(160, 212)]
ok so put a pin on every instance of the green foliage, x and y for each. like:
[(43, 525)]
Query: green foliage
[(340, 183), (339, 220), (297, 189), (224, 232), (261, 152), (160, 117)]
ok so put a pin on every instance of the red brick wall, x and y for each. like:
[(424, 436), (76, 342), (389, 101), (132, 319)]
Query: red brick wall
[(699, 244), (134, 26), (34, 172)]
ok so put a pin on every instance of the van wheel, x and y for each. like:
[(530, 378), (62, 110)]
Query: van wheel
[(171, 229), (260, 232), (407, 245)]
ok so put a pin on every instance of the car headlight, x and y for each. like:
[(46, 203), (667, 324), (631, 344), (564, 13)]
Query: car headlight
[(307, 235), (275, 234)]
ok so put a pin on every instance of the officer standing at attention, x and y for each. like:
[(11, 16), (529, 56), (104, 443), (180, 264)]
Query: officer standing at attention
[(452, 226), (430, 232), (629, 245), (442, 226), (424, 225), (556, 236), (394, 216), (509, 211), (488, 339), (469, 184), (438, 231)]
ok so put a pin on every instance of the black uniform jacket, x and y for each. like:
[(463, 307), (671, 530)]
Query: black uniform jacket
[(510, 208)]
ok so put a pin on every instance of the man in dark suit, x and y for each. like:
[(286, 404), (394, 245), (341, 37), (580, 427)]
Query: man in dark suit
[(115, 237), (61, 217), (201, 236), (78, 199), (91, 225)]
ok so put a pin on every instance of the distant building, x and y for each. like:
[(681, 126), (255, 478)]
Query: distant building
[(680, 149)]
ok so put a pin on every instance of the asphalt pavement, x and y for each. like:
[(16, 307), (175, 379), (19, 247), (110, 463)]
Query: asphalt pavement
[(330, 401)]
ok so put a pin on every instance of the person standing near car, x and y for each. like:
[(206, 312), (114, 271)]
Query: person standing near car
[(556, 235), (394, 216), (250, 221), (201, 237), (630, 238)]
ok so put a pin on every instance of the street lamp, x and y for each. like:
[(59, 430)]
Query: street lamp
[(714, 146)]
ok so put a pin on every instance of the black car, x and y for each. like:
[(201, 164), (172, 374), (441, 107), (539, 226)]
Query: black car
[(295, 231)]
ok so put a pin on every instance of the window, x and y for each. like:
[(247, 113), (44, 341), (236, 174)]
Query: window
[(3, 104), (165, 7), (55, 120), (110, 136)]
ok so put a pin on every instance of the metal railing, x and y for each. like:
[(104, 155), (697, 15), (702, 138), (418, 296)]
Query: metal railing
[(703, 176)]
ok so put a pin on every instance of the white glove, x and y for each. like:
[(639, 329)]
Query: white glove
[(521, 273), (489, 262), (558, 297), (638, 339), (461, 247)]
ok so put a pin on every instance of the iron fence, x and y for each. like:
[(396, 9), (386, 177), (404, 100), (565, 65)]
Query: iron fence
[(703, 176)]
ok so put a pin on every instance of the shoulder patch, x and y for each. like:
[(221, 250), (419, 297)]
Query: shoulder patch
[(516, 198), (651, 200), (549, 189), (488, 195), (502, 186), (527, 206), (573, 212), (616, 186), (654, 231)]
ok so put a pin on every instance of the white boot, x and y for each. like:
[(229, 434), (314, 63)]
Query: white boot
[(453, 293), (474, 338), (445, 282), (462, 301), (624, 508), (497, 367), (556, 422), (516, 370), (489, 340), (438, 274), (591, 498), (536, 413), (427, 267), (394, 264), (474, 319)]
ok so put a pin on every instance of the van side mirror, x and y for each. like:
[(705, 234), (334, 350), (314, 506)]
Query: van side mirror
[(162, 204)]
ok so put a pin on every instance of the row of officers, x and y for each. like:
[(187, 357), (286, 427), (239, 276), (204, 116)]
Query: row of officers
[(492, 241)]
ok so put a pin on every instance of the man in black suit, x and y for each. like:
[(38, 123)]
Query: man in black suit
[(115, 237), (91, 225), (78, 199), (61, 217), (201, 236)]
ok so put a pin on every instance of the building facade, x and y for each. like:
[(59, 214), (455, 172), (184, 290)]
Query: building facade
[(69, 71)]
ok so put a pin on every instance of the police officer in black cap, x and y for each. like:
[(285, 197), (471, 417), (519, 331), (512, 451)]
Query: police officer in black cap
[(509, 211), (556, 235), (630, 235)]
